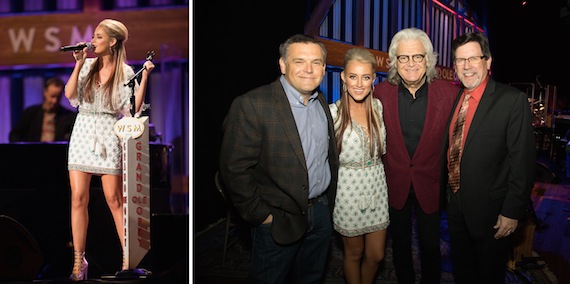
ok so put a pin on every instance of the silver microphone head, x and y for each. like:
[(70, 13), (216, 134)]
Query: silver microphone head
[(89, 46)]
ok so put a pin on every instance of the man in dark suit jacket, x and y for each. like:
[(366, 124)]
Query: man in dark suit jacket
[(46, 122), (279, 162), (496, 166), (416, 108)]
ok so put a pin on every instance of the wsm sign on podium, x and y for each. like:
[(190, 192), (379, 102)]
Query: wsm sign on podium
[(134, 136)]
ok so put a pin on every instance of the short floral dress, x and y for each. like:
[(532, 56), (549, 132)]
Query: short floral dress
[(93, 146), (361, 204)]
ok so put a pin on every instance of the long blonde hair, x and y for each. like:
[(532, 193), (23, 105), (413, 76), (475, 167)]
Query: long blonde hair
[(111, 94), (373, 120)]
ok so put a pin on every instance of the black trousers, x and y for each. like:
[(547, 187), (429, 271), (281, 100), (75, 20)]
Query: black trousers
[(401, 231), (475, 260)]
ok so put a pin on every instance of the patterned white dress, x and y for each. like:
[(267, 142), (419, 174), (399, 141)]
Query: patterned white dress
[(93, 146), (361, 204)]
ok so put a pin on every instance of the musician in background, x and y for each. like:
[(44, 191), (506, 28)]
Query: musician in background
[(97, 88), (45, 122)]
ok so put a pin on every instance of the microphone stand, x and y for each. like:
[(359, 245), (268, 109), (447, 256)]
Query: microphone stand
[(136, 272), (131, 84)]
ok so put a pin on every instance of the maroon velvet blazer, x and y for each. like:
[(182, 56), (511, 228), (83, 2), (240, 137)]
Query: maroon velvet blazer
[(423, 169)]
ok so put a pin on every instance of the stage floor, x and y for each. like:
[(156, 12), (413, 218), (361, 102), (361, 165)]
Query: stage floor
[(548, 262)]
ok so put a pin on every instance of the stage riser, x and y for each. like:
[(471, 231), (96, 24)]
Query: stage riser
[(45, 213)]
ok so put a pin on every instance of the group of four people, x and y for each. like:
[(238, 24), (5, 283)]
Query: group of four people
[(297, 167)]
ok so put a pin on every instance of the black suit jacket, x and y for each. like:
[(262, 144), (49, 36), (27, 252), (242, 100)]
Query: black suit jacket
[(498, 160), (262, 162), (29, 127)]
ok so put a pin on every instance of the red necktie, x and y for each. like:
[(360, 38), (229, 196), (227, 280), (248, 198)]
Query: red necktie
[(456, 145)]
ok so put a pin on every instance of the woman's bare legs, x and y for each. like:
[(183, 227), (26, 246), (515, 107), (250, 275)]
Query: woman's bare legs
[(362, 256), (375, 244), (353, 251), (113, 190), (79, 182)]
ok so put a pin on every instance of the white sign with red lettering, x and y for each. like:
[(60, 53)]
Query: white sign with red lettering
[(136, 187)]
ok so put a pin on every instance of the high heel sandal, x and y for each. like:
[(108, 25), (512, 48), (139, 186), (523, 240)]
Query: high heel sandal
[(80, 266), (124, 272)]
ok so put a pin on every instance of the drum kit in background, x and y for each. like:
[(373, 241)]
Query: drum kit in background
[(550, 125)]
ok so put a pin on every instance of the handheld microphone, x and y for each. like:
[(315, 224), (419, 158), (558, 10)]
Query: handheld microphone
[(76, 47)]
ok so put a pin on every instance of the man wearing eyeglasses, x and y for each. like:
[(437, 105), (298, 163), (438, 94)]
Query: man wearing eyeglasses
[(416, 109), (488, 188)]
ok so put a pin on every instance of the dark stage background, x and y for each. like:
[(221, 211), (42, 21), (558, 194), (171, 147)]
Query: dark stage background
[(529, 40)]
